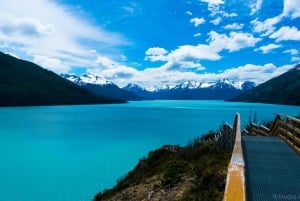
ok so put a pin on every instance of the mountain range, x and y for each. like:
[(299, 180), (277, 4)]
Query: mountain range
[(283, 89), (188, 90), (193, 90), (23, 83), (101, 86)]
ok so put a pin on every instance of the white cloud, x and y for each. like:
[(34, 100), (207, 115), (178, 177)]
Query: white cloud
[(53, 31), (167, 73), (197, 34), (268, 48), (216, 21), (156, 54), (162, 75), (177, 69), (234, 42), (286, 33), (197, 21), (185, 56), (213, 5), (28, 27), (213, 2), (234, 26), (192, 53), (291, 8), (250, 72), (291, 51), (105, 63), (189, 57), (255, 6), (156, 51), (294, 54), (216, 8), (189, 13), (182, 66), (266, 27), (157, 76), (117, 72), (52, 64), (225, 14)]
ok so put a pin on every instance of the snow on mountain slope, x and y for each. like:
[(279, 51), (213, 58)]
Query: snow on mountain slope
[(87, 79), (206, 84), (160, 88), (190, 85), (100, 85), (192, 89)]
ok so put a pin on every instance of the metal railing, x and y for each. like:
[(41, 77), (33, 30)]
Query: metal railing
[(235, 183), (285, 127)]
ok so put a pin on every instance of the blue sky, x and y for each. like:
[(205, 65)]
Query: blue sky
[(155, 42)]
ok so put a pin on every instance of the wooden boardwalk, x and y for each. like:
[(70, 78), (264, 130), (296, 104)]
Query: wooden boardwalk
[(265, 165), (272, 169)]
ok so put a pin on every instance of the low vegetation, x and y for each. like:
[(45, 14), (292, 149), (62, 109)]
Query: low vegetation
[(195, 172)]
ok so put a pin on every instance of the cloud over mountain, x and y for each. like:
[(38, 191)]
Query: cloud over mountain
[(165, 42)]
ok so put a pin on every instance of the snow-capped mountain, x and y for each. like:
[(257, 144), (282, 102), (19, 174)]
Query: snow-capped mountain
[(102, 86), (222, 89), (87, 78), (224, 83)]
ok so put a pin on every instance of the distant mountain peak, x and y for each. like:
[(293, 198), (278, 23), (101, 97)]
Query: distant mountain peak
[(94, 79), (87, 78), (101, 86), (193, 84), (133, 87), (221, 89)]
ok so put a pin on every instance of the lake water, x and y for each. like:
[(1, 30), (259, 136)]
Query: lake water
[(63, 153)]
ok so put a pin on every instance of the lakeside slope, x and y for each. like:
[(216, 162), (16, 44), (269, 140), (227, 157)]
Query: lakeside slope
[(283, 89), (23, 83), (195, 172)]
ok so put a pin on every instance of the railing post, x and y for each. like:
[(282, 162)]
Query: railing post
[(286, 132), (293, 126)]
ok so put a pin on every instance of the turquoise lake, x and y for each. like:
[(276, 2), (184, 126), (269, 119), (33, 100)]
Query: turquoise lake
[(63, 153)]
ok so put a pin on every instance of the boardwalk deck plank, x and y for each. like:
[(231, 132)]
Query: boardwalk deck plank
[(272, 169)]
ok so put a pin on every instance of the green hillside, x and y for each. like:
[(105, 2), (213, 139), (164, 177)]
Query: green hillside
[(194, 172), (23, 83), (283, 89)]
